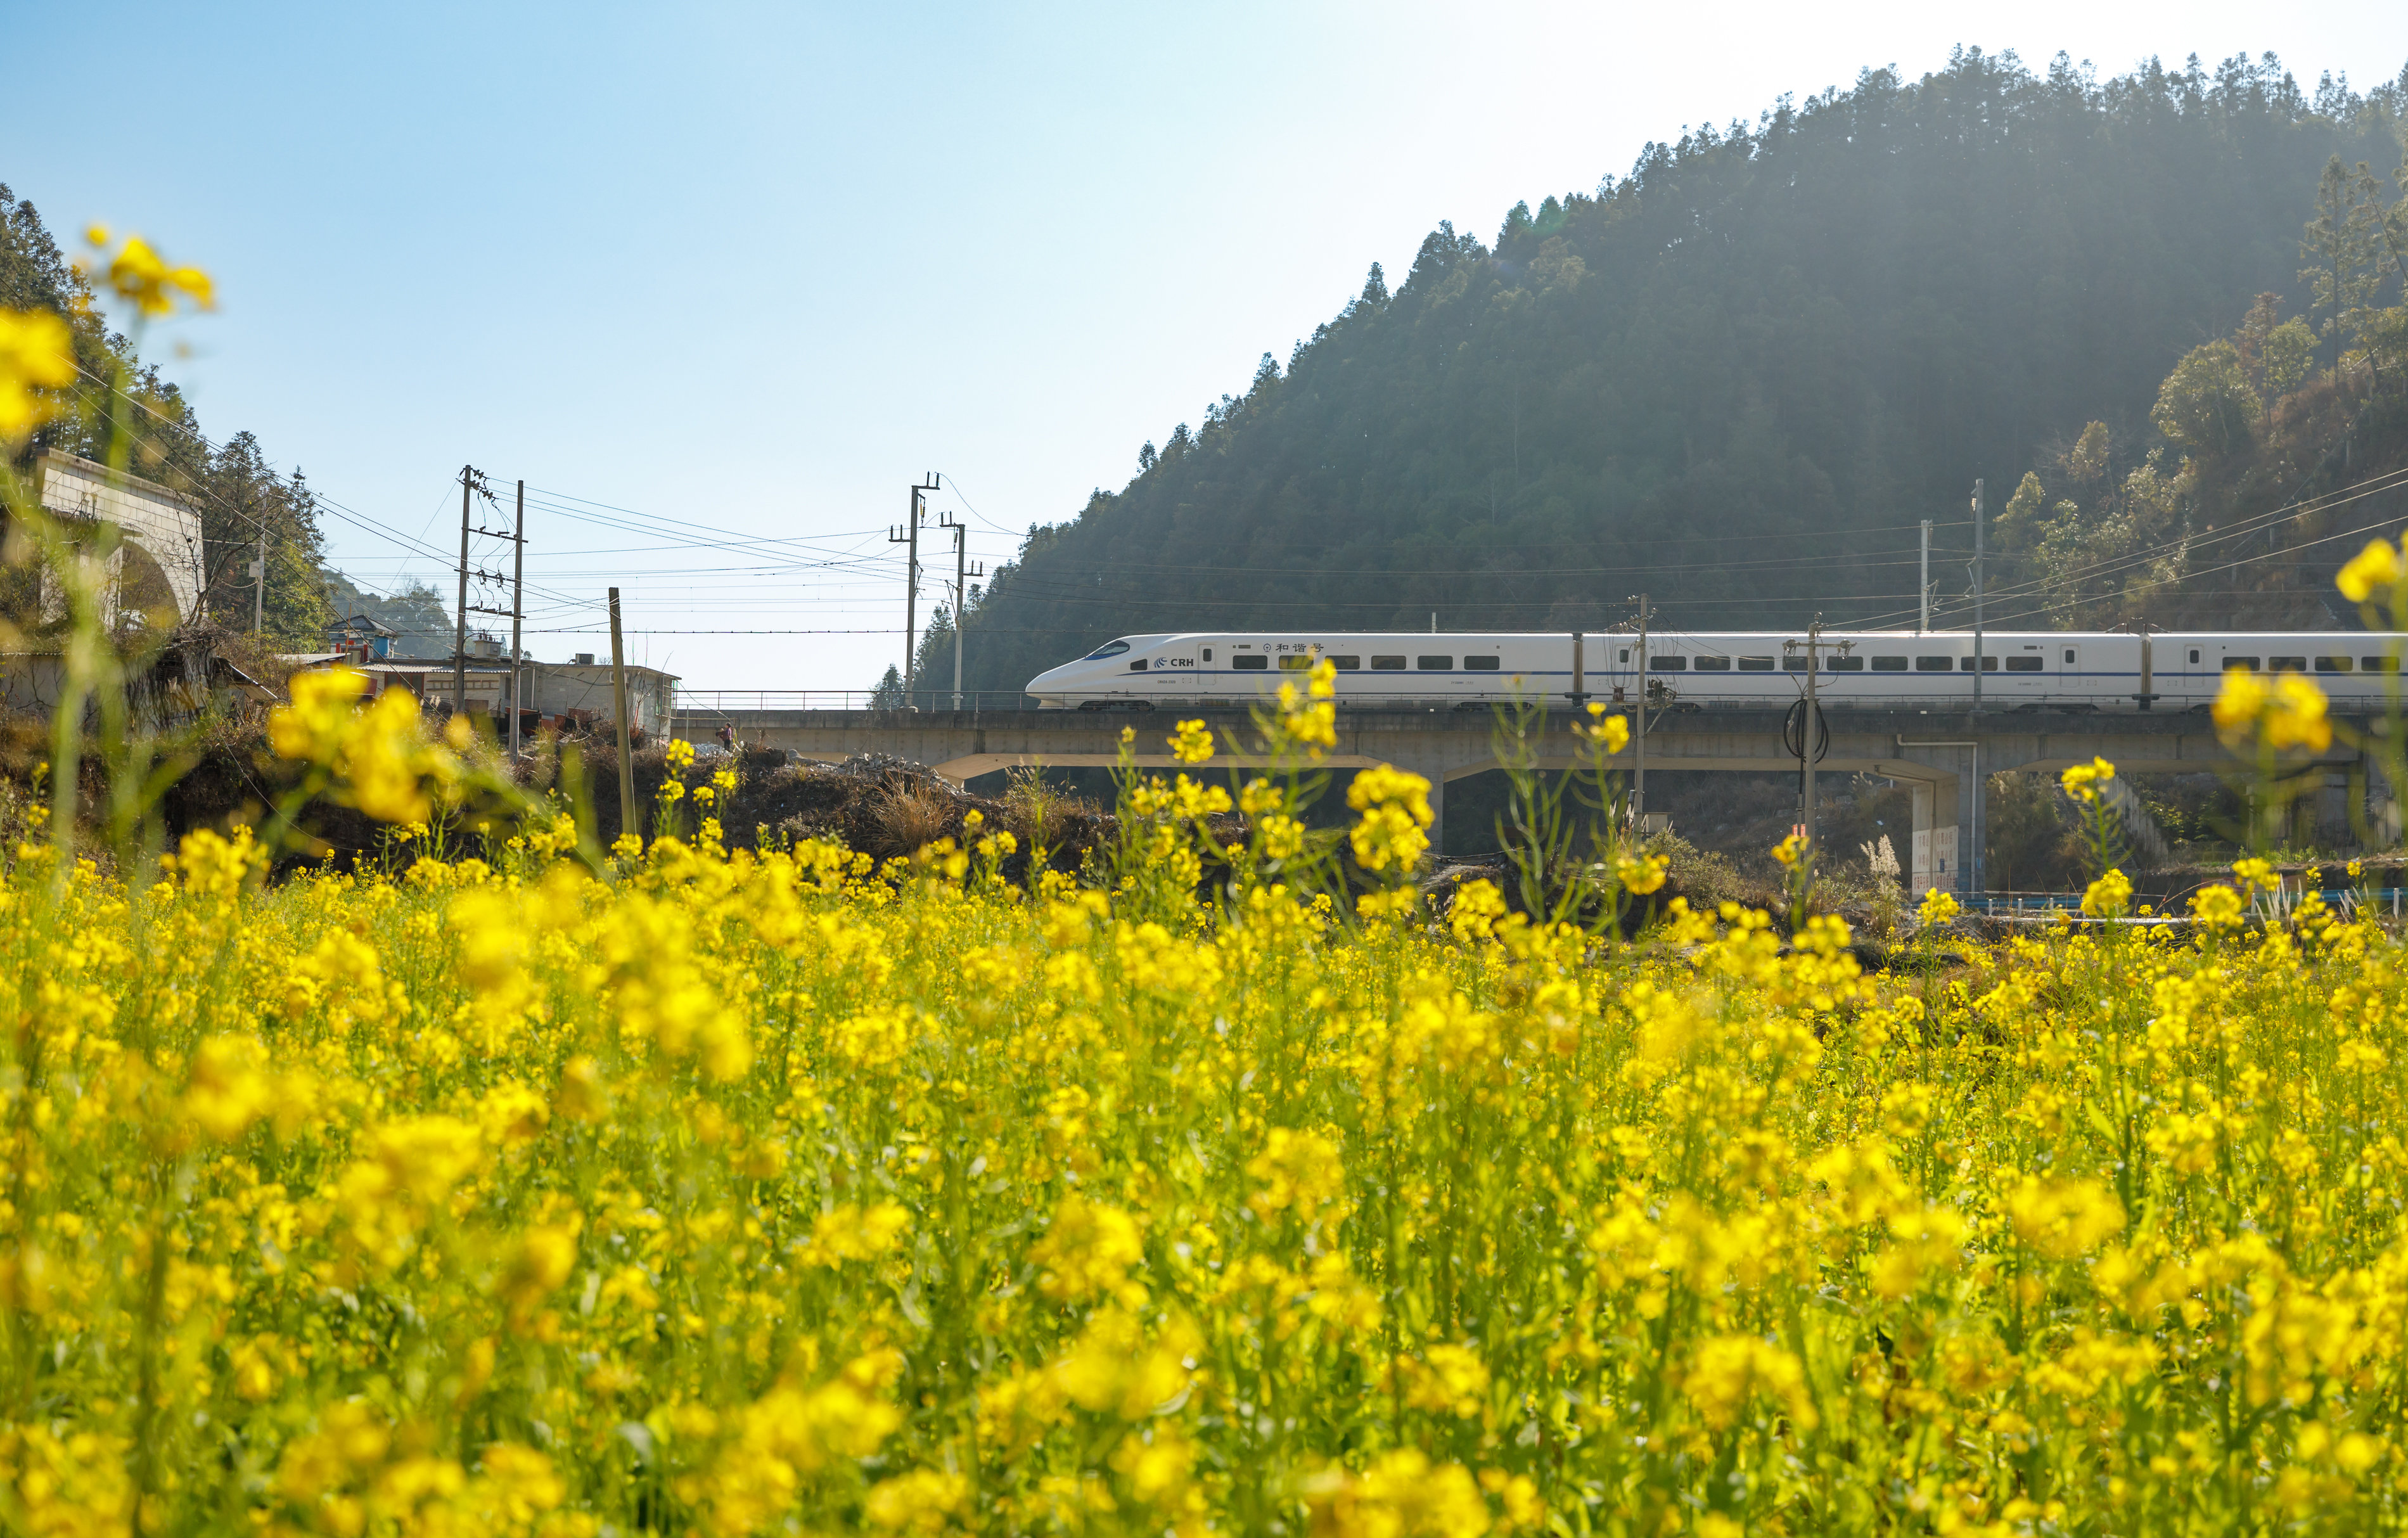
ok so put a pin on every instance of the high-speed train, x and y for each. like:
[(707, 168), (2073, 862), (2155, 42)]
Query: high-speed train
[(2046, 670)]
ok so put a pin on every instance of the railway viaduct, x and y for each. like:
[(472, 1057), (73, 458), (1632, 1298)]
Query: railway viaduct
[(1938, 755)]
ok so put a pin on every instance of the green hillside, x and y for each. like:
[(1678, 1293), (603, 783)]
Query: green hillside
[(1736, 378)]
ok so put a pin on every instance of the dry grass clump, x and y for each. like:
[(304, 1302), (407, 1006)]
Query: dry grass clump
[(1039, 816), (910, 814)]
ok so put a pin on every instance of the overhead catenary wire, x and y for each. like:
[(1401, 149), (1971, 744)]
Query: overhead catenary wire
[(841, 568), (2255, 524), (283, 540)]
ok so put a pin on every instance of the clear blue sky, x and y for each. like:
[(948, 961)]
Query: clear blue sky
[(755, 268)]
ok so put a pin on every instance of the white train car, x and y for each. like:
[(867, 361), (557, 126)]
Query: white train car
[(2047, 670)]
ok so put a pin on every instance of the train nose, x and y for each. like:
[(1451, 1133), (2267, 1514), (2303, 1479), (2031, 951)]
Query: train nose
[(1052, 679)]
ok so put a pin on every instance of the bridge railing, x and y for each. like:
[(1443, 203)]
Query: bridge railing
[(705, 702), (708, 702)]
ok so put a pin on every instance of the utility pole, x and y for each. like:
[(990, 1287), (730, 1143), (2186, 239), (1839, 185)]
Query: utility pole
[(1973, 865), (963, 572), (1978, 658), (518, 617), (1638, 775), (1923, 588), (460, 636), (628, 811), (259, 585), (1813, 720), (911, 536), (514, 613), (1811, 737)]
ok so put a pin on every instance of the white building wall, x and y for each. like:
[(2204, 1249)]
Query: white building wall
[(166, 527), (556, 688)]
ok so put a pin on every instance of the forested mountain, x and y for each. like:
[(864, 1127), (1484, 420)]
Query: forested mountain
[(1739, 376), (240, 496)]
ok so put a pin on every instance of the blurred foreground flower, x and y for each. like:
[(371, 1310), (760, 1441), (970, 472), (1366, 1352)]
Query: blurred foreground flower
[(379, 752), (2290, 715), (1640, 876), (2376, 569), (1611, 732), (138, 272), (36, 353)]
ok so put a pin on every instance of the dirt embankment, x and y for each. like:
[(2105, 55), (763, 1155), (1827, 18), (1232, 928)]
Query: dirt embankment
[(883, 807)]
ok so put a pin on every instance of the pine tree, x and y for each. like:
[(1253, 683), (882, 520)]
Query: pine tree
[(888, 695), (2340, 250)]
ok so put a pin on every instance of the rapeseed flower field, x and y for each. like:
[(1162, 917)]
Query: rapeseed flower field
[(689, 1191), (525, 1187)]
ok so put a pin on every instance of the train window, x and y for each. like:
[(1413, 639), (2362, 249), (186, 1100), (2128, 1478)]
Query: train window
[(2025, 665), (1296, 663), (2287, 665), (1207, 654), (1755, 665), (1481, 665), (2247, 664), (2380, 665), (1255, 663), (1989, 664), (2332, 664), (1626, 654), (1890, 664), (1793, 665), (2194, 657), (1387, 665), (1669, 665), (2069, 656), (1138, 666), (1108, 649), (1435, 665), (1347, 665), (1714, 665), (1844, 665), (1935, 664)]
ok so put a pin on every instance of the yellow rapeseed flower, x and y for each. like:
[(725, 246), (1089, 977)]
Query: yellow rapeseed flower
[(2082, 781), (1192, 744), (138, 272), (1642, 875), (37, 355), (2217, 907), (2256, 871), (2297, 718), (1613, 732), (2108, 897), (2290, 715), (1394, 807), (2373, 570)]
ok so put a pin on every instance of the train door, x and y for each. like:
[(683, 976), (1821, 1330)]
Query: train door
[(2066, 687), (1622, 671)]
